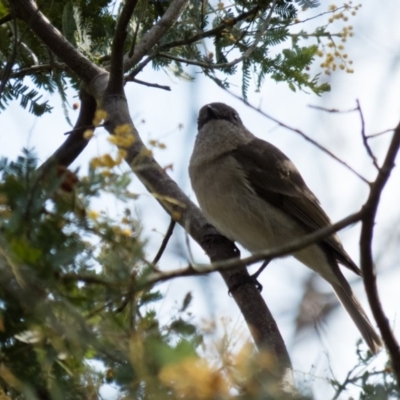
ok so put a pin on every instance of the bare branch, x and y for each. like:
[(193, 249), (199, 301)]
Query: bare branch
[(364, 137), (302, 134), (139, 67), (37, 69), (332, 110), (280, 251), (154, 85), (367, 262), (164, 242), (211, 32), (116, 79), (244, 56), (153, 36), (75, 142), (374, 135)]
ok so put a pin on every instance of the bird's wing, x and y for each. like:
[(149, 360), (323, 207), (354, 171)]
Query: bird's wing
[(276, 180)]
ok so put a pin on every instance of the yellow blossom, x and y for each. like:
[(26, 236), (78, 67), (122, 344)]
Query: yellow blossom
[(126, 232), (99, 116), (104, 161), (123, 136), (88, 134), (194, 378), (122, 154), (93, 215)]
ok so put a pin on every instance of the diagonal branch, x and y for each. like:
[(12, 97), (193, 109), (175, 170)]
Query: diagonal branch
[(116, 79), (367, 263), (302, 134), (153, 36), (364, 136), (238, 60), (76, 141), (212, 32), (252, 306)]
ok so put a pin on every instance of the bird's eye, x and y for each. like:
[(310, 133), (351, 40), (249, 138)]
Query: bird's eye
[(236, 117)]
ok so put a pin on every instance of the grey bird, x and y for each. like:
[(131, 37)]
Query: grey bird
[(253, 194)]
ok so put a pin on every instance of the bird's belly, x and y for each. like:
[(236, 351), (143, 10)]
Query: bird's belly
[(238, 212)]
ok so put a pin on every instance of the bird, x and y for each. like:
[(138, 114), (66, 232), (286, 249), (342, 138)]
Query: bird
[(254, 195)]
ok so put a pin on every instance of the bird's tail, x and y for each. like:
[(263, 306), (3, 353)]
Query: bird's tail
[(357, 314)]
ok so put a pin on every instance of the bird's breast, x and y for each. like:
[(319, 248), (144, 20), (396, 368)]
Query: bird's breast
[(231, 205)]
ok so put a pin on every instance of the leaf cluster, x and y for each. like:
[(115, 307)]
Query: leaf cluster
[(209, 35), (64, 278)]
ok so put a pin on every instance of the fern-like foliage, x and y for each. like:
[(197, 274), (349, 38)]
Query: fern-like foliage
[(308, 3), (29, 98), (207, 33), (245, 78)]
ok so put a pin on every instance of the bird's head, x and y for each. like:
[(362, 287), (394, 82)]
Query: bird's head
[(218, 111)]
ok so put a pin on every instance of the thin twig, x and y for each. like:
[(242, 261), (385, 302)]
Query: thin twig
[(159, 254), (244, 56), (139, 67), (154, 35), (76, 142), (211, 32), (302, 134), (37, 69), (135, 33), (364, 137), (164, 243), (332, 110), (269, 254), (366, 260), (154, 85), (374, 135), (83, 127), (116, 78)]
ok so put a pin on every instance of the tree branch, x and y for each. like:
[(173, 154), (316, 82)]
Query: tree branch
[(116, 79), (270, 254), (211, 32), (37, 69), (229, 64), (164, 242), (303, 135), (139, 67), (153, 36), (76, 142), (367, 263), (260, 321), (364, 136), (154, 85)]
